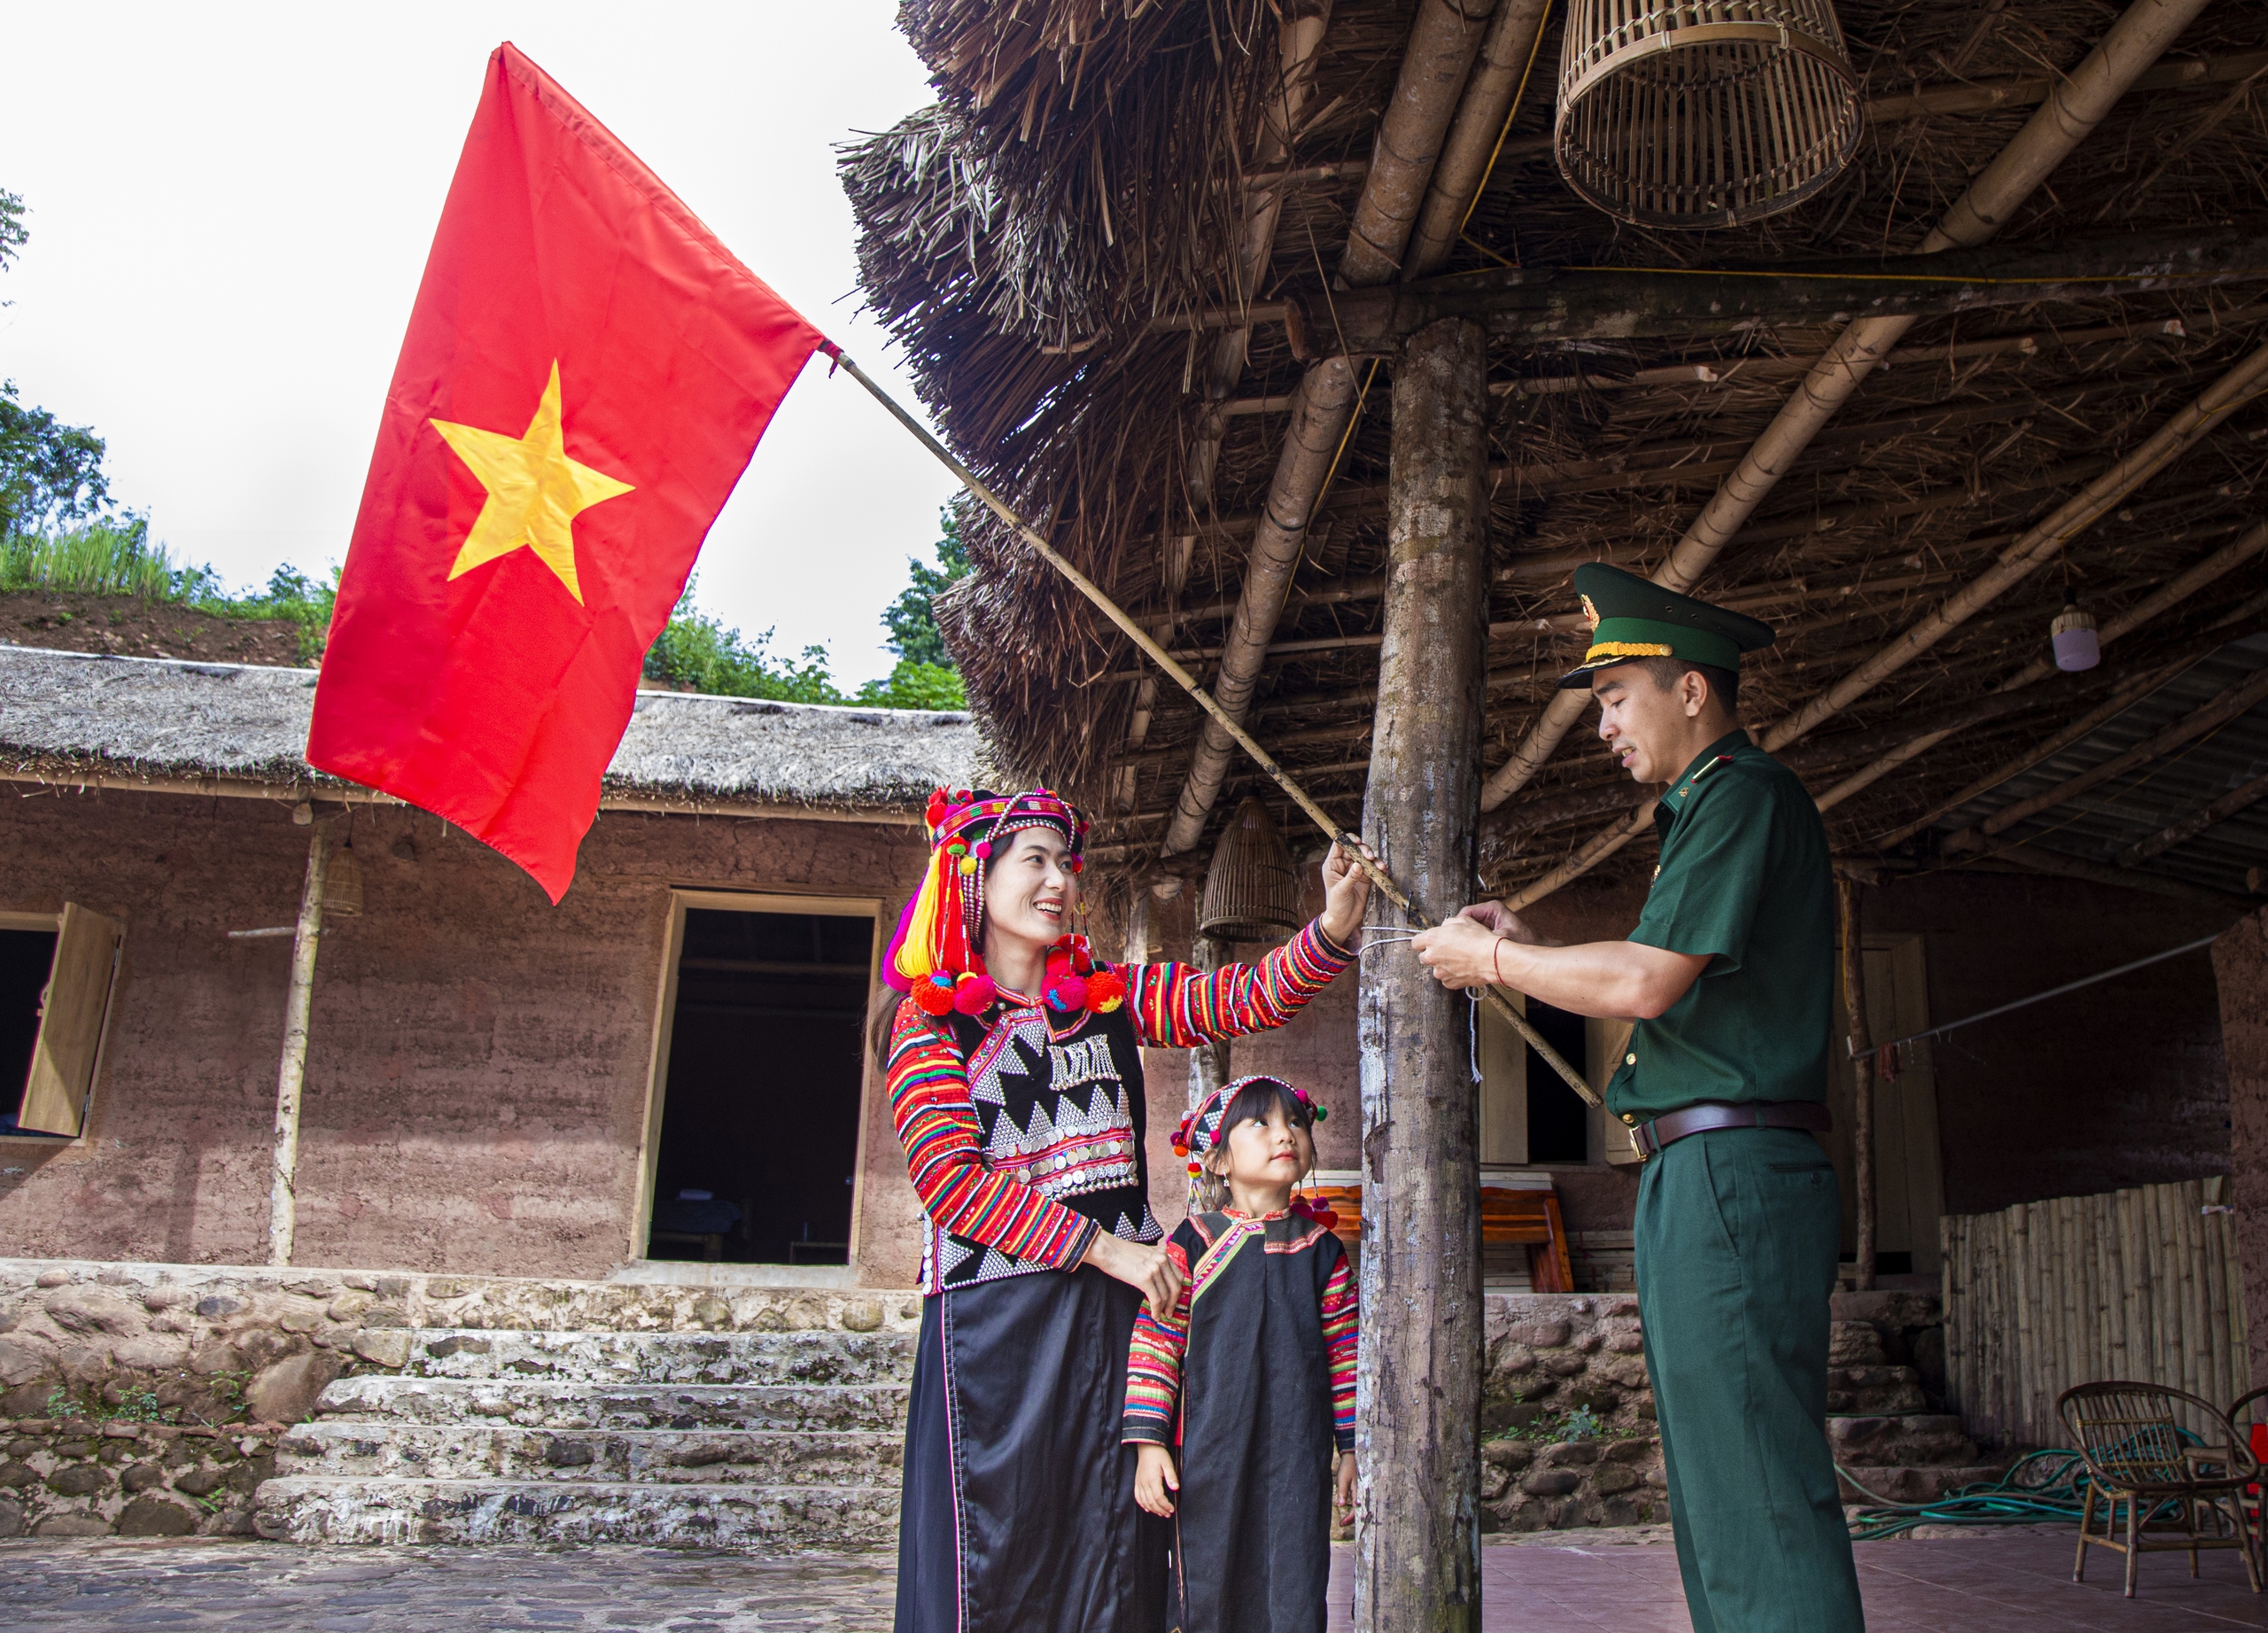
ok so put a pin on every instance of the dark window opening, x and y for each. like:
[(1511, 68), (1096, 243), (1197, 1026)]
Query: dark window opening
[(1558, 1123), (26, 957), (759, 1130)]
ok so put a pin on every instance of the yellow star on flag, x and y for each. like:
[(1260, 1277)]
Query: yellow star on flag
[(535, 490)]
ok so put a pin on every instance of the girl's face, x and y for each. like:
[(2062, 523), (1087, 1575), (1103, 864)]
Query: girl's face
[(1030, 896), (1262, 1158)]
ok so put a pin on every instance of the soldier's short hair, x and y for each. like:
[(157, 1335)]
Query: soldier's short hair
[(1724, 684)]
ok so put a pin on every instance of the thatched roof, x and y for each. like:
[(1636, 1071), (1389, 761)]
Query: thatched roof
[(68, 716), (1083, 176)]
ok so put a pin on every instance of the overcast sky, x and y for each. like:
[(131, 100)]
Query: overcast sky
[(230, 206)]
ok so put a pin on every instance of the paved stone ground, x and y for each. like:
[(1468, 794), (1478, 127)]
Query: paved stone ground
[(2008, 1582)]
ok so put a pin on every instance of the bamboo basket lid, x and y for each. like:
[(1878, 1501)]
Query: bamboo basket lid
[(1703, 112), (1252, 889)]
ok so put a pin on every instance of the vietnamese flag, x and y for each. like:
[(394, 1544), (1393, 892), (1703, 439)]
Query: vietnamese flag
[(586, 375)]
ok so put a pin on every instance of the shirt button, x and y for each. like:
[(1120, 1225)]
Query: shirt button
[(1631, 1119), (1629, 1059)]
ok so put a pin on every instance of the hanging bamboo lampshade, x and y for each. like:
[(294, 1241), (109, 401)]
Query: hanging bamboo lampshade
[(1703, 112), (342, 884), (1252, 890)]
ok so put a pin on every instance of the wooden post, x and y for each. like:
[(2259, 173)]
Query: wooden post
[(293, 1073), (1862, 1080), (1416, 1534), (1208, 1062)]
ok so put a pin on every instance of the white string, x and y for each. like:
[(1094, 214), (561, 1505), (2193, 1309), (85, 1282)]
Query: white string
[(1472, 1033)]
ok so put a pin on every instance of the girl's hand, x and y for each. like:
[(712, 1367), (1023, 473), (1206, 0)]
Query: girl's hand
[(1346, 895), (1342, 1501), (1153, 1477)]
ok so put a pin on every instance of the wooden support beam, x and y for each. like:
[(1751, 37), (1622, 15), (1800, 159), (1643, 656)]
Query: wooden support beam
[(292, 1069), (2218, 710), (2031, 859), (1443, 40), (2242, 797), (1417, 1539)]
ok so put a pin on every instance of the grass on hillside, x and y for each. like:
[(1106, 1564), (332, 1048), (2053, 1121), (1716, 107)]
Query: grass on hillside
[(696, 651)]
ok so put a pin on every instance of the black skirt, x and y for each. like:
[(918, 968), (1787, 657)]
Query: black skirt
[(1019, 1512)]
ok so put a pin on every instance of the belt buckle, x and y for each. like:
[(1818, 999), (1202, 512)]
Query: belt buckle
[(1643, 1141)]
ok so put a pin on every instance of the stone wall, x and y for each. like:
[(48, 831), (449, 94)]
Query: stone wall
[(79, 1477), (477, 1078), (1548, 1355)]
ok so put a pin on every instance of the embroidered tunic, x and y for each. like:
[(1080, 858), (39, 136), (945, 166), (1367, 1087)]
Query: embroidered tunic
[(1252, 1381), (1023, 1139)]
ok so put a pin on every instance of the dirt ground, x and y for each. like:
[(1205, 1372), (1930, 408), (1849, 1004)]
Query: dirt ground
[(131, 627)]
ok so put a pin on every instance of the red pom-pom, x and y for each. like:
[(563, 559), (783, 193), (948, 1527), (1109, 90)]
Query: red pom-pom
[(1106, 990), (1196, 1169), (973, 995), (1326, 1217), (933, 999), (936, 811)]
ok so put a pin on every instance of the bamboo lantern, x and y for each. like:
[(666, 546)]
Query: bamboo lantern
[(342, 884), (1252, 890), (1703, 112)]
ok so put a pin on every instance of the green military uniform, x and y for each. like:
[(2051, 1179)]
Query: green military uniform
[(1737, 1229)]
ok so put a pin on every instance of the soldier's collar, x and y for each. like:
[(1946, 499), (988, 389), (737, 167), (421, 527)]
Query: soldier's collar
[(1715, 755)]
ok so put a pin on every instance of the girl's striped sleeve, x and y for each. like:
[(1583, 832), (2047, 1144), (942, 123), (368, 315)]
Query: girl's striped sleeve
[(1176, 1006), (1154, 1365), (1339, 1337), (936, 1123)]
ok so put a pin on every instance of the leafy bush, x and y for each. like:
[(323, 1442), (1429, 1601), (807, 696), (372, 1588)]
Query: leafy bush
[(696, 652), (915, 685)]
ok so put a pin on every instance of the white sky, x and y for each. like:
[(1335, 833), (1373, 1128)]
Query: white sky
[(230, 206)]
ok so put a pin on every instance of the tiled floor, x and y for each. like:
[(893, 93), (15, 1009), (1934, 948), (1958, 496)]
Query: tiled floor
[(2000, 1582)]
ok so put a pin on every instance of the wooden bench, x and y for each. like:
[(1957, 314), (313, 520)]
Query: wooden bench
[(1509, 1218)]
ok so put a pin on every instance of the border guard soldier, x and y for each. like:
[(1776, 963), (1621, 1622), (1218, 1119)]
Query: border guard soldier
[(1730, 976)]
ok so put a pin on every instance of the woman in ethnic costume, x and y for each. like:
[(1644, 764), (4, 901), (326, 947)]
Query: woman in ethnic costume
[(1239, 1400), (1015, 1082)]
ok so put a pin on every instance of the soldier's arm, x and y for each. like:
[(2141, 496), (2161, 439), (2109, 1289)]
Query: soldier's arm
[(1625, 980)]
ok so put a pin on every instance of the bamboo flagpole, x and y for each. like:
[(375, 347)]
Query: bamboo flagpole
[(1351, 843)]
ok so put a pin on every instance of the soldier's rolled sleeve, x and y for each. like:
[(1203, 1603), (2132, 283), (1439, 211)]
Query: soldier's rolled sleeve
[(1714, 863)]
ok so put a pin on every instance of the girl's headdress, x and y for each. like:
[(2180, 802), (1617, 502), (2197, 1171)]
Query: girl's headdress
[(937, 955), (1201, 1131)]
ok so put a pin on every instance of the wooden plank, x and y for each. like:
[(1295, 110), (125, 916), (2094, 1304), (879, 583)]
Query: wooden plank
[(73, 1007), (2023, 1382), (2183, 1198), (2217, 1387)]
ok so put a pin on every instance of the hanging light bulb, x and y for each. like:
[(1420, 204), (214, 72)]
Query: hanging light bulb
[(2077, 645)]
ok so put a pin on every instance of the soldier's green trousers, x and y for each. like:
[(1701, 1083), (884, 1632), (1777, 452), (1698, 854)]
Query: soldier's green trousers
[(1738, 1234)]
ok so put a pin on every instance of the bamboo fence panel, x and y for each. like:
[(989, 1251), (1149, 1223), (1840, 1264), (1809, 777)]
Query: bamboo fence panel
[(2140, 1284)]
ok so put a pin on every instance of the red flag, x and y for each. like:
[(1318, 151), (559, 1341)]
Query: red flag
[(587, 373)]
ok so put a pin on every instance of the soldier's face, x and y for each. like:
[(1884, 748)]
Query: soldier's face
[(1643, 723)]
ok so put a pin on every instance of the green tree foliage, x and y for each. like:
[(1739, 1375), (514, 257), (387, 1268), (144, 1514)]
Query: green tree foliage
[(697, 652), (51, 473), (13, 234), (913, 626)]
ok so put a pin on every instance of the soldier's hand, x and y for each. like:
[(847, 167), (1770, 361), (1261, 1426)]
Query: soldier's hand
[(1462, 953), (1505, 921)]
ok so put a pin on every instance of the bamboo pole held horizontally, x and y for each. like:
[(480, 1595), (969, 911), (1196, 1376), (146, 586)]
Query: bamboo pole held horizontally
[(1351, 843)]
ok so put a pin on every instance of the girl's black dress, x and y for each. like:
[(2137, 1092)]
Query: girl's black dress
[(1253, 1386)]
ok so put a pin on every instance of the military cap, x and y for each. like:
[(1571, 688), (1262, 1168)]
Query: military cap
[(1632, 618)]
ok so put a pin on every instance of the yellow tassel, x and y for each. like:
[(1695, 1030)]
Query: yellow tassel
[(918, 956)]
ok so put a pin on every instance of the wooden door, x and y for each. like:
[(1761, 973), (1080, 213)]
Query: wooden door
[(73, 1010)]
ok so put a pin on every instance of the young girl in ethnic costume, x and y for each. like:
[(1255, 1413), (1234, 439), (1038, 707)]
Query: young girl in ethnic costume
[(1015, 1083), (1251, 1379)]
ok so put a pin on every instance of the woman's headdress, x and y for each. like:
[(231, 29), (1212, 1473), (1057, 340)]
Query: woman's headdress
[(937, 955), (1201, 1133)]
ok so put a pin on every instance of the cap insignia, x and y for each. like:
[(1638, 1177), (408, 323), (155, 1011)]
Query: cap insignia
[(1591, 614)]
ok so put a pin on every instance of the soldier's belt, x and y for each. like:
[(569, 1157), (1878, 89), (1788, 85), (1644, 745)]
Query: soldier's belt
[(1672, 1126)]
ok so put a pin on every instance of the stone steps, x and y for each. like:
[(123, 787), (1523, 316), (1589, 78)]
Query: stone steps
[(1911, 1439), (1875, 1391), (303, 1508), (365, 1451), (663, 1358), (1916, 1485), (549, 1404)]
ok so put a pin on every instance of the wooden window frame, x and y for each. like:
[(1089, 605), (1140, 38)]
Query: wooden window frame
[(683, 898), (56, 924), (1605, 1142)]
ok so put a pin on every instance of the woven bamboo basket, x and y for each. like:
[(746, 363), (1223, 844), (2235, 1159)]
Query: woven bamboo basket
[(1703, 112), (1252, 890)]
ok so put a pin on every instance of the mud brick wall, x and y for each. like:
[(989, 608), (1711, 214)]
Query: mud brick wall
[(477, 1078)]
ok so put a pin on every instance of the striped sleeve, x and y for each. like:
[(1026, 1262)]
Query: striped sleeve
[(936, 1123), (1176, 1006), (1154, 1365), (1339, 1337)]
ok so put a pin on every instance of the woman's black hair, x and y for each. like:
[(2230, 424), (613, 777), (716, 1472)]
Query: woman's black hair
[(1256, 1099)]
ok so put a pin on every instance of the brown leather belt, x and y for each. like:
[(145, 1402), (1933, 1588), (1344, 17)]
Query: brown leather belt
[(1672, 1126)]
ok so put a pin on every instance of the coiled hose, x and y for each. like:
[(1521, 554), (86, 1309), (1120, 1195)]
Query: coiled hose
[(2040, 1487)]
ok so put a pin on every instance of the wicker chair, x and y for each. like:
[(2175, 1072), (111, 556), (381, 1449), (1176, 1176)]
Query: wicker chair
[(2129, 1434), (2249, 1410)]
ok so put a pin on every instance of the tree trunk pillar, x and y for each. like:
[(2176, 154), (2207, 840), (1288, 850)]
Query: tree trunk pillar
[(1209, 1065), (1418, 1534)]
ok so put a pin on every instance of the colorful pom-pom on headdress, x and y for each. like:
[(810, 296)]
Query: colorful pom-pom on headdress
[(1201, 1131)]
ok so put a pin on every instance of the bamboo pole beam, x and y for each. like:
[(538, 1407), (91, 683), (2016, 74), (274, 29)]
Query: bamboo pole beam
[(2184, 585), (2218, 710), (2242, 797), (1484, 114), (1862, 1077), (1381, 880), (1444, 41), (2073, 109), (2031, 859), (291, 1071)]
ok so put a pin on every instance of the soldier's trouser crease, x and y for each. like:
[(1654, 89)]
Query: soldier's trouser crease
[(1738, 1234)]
